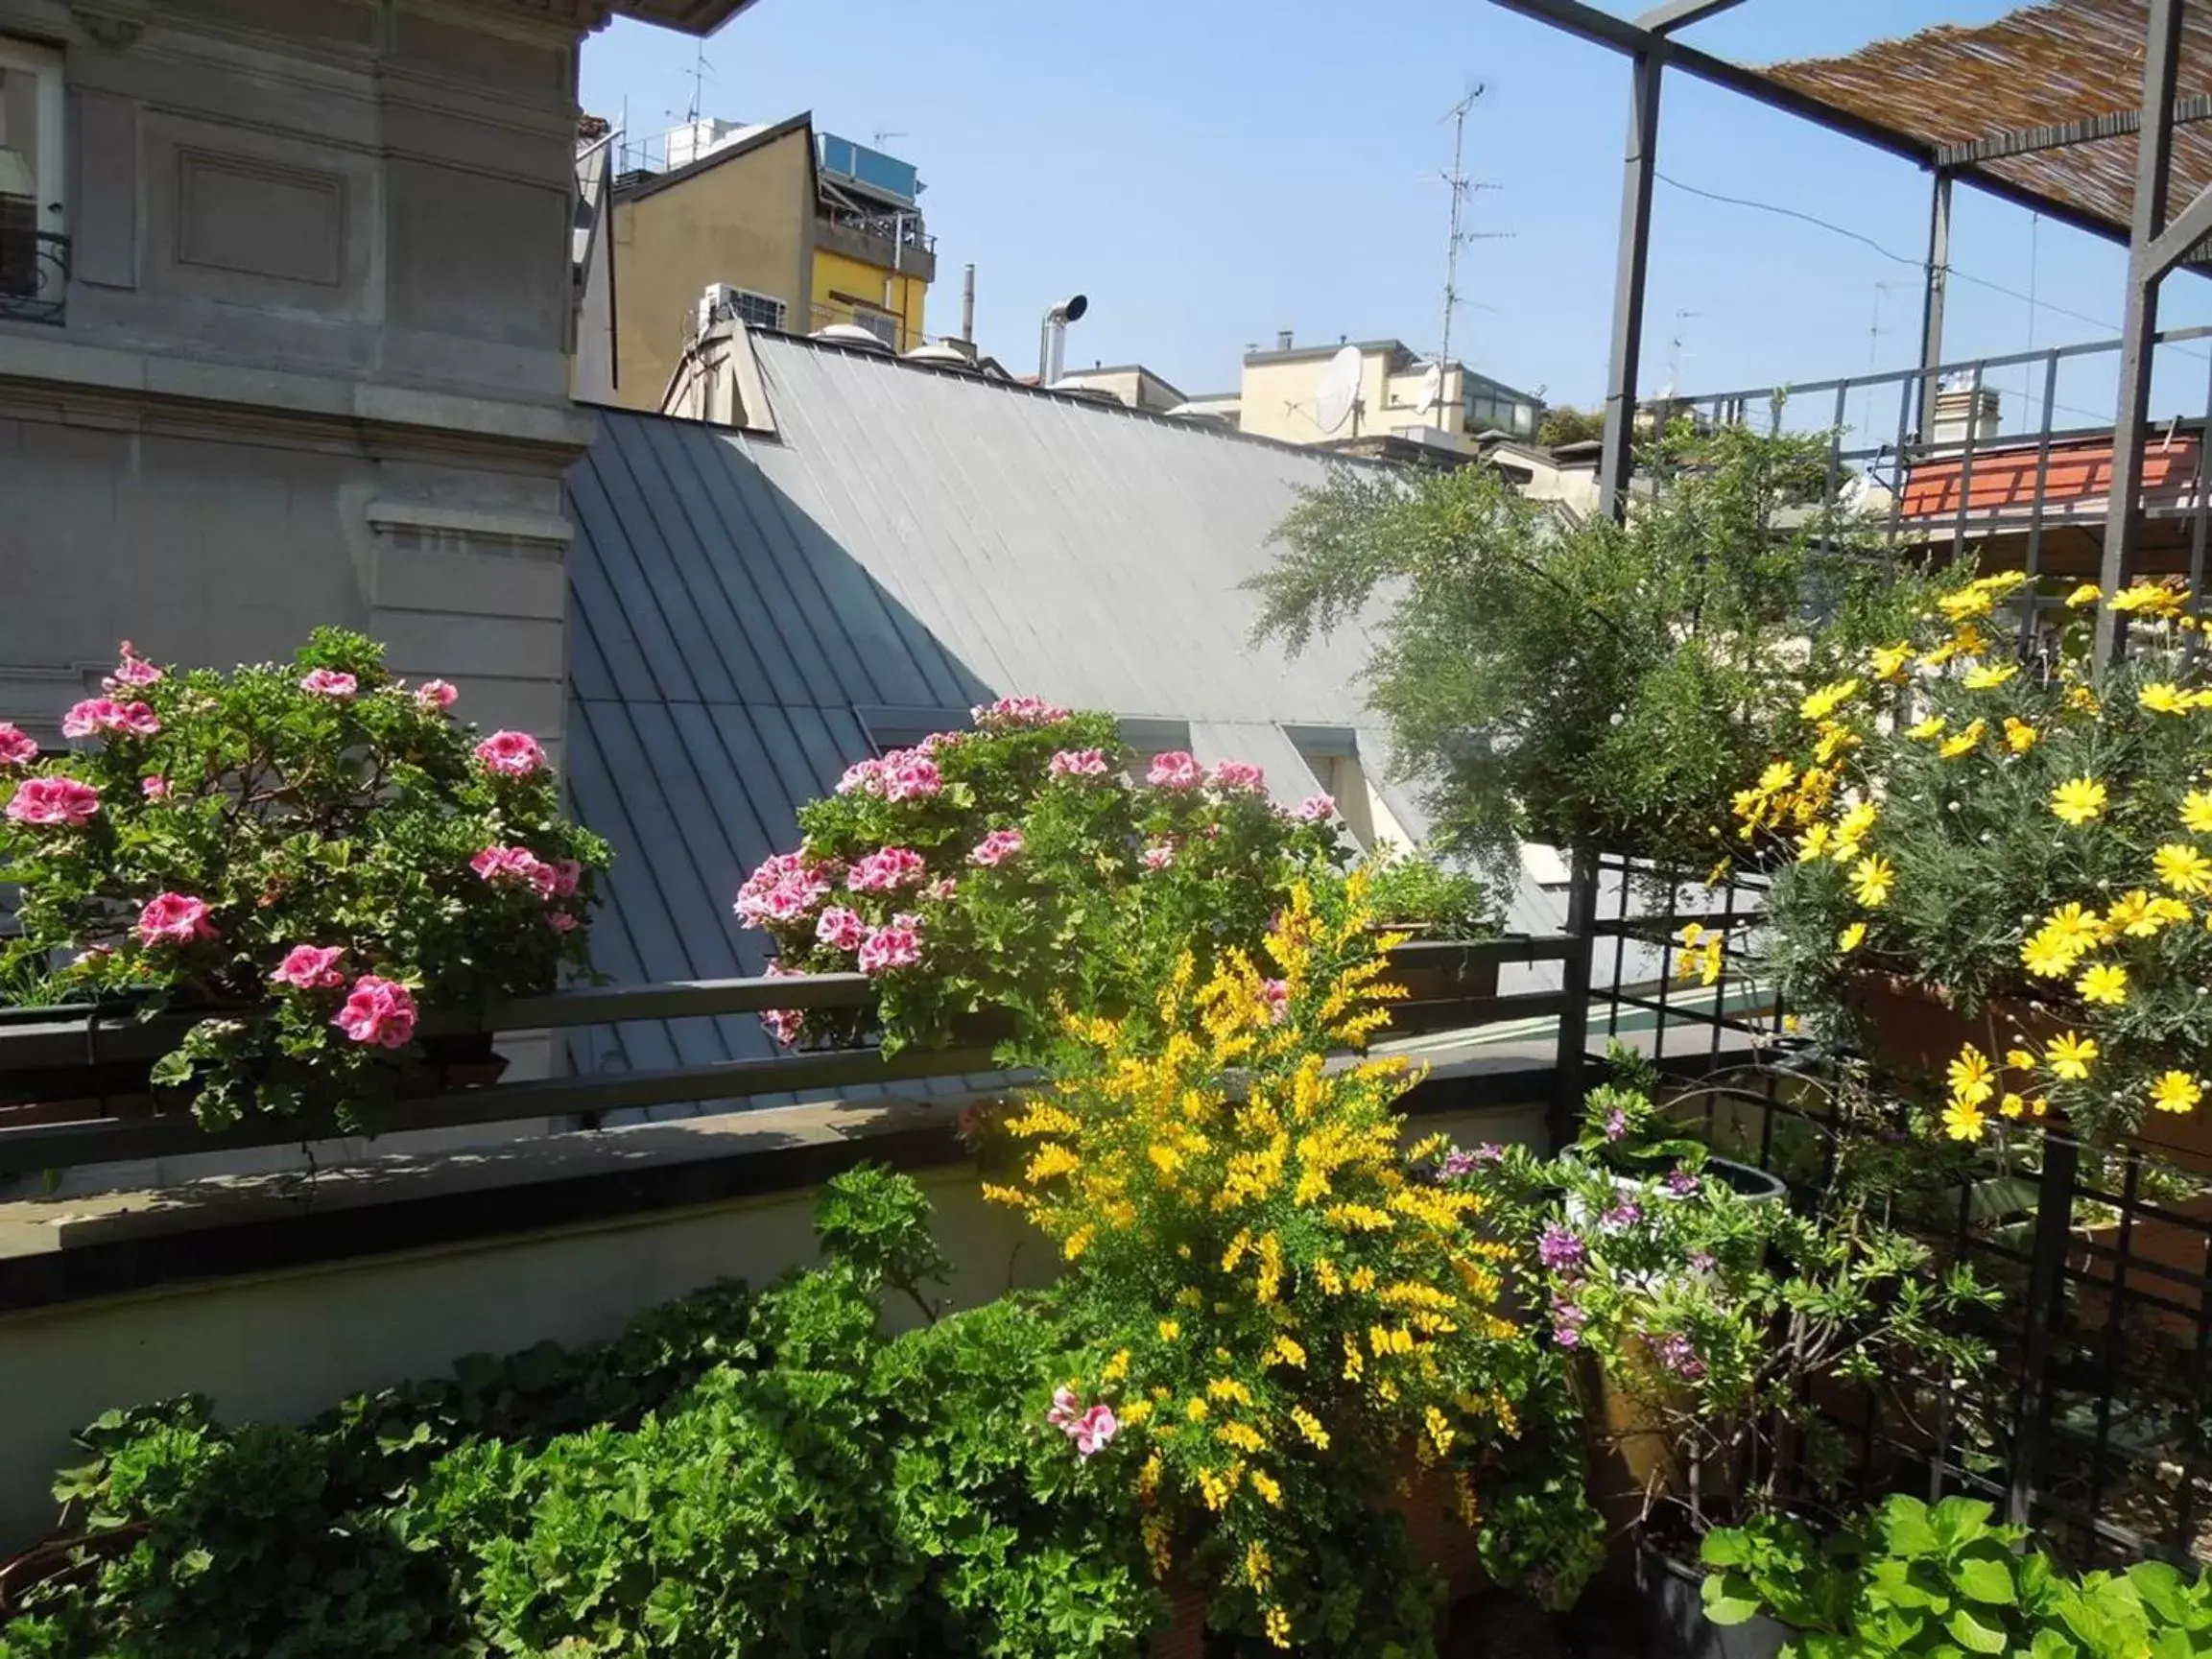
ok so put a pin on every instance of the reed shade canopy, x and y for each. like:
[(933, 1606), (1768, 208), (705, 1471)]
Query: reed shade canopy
[(2044, 98)]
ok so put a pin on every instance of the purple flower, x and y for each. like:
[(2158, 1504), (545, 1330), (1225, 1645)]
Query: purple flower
[(1616, 1123), (1622, 1216), (1560, 1251), (1678, 1355), (1681, 1182), (1566, 1322), (1700, 1261), (1459, 1161)]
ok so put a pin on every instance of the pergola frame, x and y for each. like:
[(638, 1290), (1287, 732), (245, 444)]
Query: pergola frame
[(2156, 243)]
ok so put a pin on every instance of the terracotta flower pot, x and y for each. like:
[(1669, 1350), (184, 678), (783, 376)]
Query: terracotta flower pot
[(1915, 1029)]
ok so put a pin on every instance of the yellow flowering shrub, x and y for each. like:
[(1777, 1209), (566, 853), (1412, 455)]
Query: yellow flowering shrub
[(2032, 840), (1290, 1315)]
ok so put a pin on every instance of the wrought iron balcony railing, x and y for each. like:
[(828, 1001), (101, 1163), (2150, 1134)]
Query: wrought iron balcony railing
[(34, 275)]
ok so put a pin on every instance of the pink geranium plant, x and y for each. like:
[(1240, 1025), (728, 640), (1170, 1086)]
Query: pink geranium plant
[(313, 853), (1029, 866)]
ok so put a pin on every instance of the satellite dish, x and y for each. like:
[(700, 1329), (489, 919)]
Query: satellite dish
[(1338, 394), (1432, 390)]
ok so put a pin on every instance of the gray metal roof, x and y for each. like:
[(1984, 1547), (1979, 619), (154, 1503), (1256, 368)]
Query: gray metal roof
[(906, 539)]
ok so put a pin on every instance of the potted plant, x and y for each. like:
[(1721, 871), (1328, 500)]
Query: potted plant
[(1587, 684), (312, 859), (1944, 1578), (1419, 896), (1719, 1328), (1998, 865), (1018, 867), (1295, 1328)]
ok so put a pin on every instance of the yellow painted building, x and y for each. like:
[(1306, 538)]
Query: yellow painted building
[(790, 229), (1398, 394)]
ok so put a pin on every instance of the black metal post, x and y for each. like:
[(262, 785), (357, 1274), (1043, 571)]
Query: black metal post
[(1631, 269), (1575, 1001), (2046, 1301), (1939, 279), (2131, 409)]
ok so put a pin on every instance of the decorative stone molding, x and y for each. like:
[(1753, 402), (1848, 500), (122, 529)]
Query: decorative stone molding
[(115, 24)]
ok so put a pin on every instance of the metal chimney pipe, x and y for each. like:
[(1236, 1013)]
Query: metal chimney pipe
[(1053, 336), (968, 304)]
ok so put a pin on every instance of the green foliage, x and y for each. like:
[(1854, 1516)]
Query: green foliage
[(1416, 888), (766, 1476), (1944, 1580), (347, 820), (1565, 424), (1586, 684), (1093, 887)]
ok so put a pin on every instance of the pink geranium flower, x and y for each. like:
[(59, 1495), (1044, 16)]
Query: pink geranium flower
[(940, 890), (885, 872), (1315, 808), (783, 1025), (896, 946), (841, 929), (1096, 1426), (561, 921), (1158, 855), (54, 800), (1241, 775), (996, 847), (132, 672), (785, 887), (98, 714), (153, 788), (863, 776), (910, 775), (938, 742), (1276, 994), (18, 748), (377, 1011), (330, 682), (1176, 769), (1010, 713), (510, 754), (436, 694), (175, 920), (310, 968), (567, 877), (515, 866), (1066, 1410), (1078, 763)]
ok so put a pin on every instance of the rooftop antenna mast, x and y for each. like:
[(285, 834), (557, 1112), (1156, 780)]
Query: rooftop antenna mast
[(699, 75), (1461, 187)]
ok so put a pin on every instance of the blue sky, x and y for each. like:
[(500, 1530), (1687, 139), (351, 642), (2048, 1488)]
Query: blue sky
[(1212, 171)]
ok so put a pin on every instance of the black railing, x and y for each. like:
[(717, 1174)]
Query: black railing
[(73, 1081), (34, 275), (2094, 1424)]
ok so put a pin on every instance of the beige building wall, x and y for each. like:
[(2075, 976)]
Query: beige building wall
[(746, 219)]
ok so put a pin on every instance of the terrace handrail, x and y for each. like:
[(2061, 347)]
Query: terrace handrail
[(72, 1051)]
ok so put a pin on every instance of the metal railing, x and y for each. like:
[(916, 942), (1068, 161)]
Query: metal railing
[(2036, 468), (907, 229), (34, 275), (97, 1058)]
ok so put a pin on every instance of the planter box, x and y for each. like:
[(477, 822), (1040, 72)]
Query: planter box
[(1437, 992), (1674, 1622)]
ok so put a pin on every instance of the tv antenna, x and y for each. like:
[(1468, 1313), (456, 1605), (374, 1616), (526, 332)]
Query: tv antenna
[(1874, 333), (885, 134), (1461, 187), (1338, 393), (700, 73), (1674, 352)]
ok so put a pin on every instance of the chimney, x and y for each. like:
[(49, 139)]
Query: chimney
[(1960, 407), (1282, 340)]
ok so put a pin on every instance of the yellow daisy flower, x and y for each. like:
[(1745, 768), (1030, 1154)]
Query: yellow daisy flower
[(1931, 726), (1964, 1121), (2089, 593), (1971, 1076), (2078, 800), (2104, 983), (1812, 843), (1826, 700), (2153, 598), (2196, 812), (2020, 736), (1990, 675), (2176, 1092), (1851, 937), (2131, 914), (2020, 1059), (1964, 741), (2049, 955), (1968, 601), (2069, 1055), (1886, 663), (1872, 878), (2013, 1105), (2183, 868), (2164, 697)]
